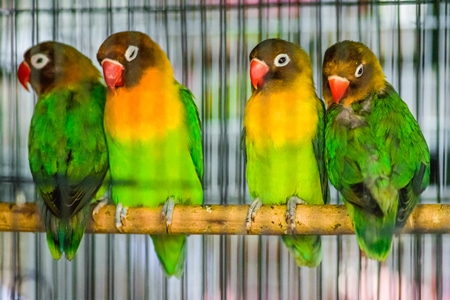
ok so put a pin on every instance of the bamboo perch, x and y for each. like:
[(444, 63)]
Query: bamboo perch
[(227, 219)]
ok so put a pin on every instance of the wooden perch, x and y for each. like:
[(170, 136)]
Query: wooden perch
[(227, 219)]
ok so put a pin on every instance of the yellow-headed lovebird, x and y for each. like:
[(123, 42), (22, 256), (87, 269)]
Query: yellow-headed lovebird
[(66, 146), (376, 155), (154, 137), (284, 139)]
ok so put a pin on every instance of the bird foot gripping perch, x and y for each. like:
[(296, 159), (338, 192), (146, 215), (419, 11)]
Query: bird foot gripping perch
[(251, 214), (100, 203), (121, 216), (291, 211), (167, 212)]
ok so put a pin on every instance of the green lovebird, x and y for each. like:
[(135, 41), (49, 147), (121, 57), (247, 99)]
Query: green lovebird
[(376, 155), (284, 139), (66, 146), (154, 137)]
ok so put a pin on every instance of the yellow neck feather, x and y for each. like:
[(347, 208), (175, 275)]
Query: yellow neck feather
[(145, 111), (282, 117)]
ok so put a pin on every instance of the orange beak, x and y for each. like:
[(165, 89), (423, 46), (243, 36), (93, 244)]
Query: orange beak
[(338, 87), (258, 69), (23, 73), (112, 71)]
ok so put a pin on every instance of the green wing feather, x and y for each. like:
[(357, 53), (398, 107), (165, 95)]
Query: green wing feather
[(68, 160), (194, 128), (319, 151), (409, 151), (379, 161)]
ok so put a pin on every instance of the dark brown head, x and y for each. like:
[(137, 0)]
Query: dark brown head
[(51, 64), (350, 73), (275, 63), (125, 56)]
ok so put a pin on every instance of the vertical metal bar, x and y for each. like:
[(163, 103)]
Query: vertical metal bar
[(184, 41), (110, 274), (319, 48), (260, 20), (147, 246), (437, 245), (279, 33), (398, 64), (417, 70), (339, 243), (242, 50), (241, 81), (34, 22), (129, 267), (55, 29), (399, 267), (206, 94), (319, 52), (338, 20), (109, 18), (16, 258), (223, 107), (358, 295), (260, 284), (129, 15), (38, 255), (379, 281), (359, 21), (205, 118), (166, 25), (223, 156)]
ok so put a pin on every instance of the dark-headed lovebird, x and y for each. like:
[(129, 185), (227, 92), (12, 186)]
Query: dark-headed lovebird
[(284, 139), (154, 137), (376, 155), (66, 146)]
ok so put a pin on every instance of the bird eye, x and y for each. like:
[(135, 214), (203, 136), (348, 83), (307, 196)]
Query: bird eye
[(359, 71), (131, 53), (281, 60), (39, 61)]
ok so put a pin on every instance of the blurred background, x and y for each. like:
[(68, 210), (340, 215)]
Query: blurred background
[(208, 42)]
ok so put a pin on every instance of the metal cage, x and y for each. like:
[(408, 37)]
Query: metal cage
[(208, 42)]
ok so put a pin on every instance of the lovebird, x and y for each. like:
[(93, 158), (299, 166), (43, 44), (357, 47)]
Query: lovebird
[(154, 137), (284, 140), (66, 145), (376, 155)]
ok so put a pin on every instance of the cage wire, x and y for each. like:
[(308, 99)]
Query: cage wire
[(208, 42)]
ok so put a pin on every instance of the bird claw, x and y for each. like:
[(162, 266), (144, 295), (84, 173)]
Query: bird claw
[(100, 203), (121, 216), (251, 214), (291, 211), (167, 212)]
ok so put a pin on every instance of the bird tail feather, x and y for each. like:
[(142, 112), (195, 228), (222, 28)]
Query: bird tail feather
[(306, 249), (171, 252), (65, 235)]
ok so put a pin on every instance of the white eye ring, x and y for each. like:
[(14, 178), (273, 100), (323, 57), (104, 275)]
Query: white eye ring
[(281, 60), (131, 53), (359, 70), (39, 60)]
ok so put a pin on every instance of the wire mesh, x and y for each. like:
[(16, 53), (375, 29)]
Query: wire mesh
[(208, 42)]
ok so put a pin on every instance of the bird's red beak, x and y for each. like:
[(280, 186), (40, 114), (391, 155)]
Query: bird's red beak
[(338, 87), (23, 73), (112, 71), (258, 69)]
